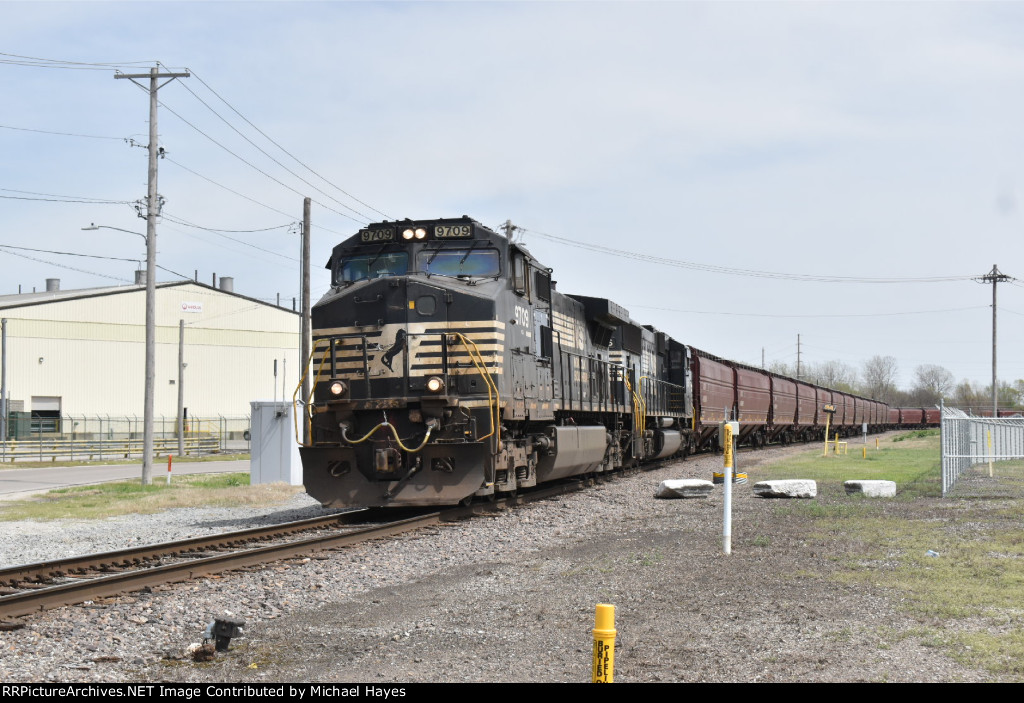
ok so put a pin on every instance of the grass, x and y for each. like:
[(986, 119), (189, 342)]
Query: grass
[(131, 497), (911, 460), (970, 598), (116, 462)]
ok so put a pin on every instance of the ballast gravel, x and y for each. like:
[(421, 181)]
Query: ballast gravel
[(507, 597)]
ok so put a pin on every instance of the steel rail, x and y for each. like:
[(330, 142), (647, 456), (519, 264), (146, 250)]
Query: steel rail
[(42, 571), (35, 600)]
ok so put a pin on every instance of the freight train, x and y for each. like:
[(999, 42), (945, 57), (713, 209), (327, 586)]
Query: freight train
[(446, 365)]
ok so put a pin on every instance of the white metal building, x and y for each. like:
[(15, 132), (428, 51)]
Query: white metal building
[(82, 352)]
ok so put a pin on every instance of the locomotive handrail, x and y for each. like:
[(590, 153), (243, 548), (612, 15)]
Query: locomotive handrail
[(638, 417), (305, 372), (481, 366), (657, 384), (609, 402)]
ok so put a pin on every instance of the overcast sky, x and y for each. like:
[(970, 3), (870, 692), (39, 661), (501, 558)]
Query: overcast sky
[(868, 140)]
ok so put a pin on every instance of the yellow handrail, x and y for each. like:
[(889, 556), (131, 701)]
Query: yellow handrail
[(295, 401), (636, 403), (481, 366)]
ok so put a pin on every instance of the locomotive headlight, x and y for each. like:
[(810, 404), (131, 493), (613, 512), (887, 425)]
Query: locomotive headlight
[(435, 384), (407, 234), (420, 233), (337, 388)]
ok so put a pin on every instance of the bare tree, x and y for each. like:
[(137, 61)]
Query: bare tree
[(933, 383), (782, 368), (833, 374), (880, 374)]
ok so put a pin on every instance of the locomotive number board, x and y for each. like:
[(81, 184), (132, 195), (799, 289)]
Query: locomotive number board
[(453, 231), (384, 234)]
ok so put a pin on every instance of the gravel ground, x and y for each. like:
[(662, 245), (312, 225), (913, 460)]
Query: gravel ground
[(503, 598)]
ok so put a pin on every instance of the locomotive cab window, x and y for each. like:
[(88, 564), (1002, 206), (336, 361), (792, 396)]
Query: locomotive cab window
[(461, 261), (356, 268), (520, 274)]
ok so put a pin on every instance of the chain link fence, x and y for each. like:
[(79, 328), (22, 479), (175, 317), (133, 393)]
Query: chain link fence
[(982, 456), (98, 438)]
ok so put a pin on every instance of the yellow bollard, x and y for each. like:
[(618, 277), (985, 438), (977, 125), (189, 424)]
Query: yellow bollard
[(876, 443), (863, 452), (604, 643), (837, 443)]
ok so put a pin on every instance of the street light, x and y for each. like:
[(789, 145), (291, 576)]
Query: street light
[(93, 226), (147, 414)]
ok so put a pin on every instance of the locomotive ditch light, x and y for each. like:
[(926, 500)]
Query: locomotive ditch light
[(407, 233), (420, 233), (338, 388), (435, 384)]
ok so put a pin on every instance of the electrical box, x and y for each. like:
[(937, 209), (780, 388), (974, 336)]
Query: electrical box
[(275, 453)]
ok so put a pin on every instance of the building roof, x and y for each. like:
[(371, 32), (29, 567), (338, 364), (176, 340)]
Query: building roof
[(21, 300)]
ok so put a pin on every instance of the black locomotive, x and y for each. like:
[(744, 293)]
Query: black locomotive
[(446, 366)]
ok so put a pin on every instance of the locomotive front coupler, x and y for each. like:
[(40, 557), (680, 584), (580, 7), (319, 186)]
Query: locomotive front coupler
[(417, 464)]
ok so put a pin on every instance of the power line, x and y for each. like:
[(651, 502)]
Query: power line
[(56, 200), (220, 233), (295, 158), (712, 268), (262, 151), (235, 231), (256, 168), (60, 63), (220, 185), (242, 195), (62, 134), (69, 253), (54, 197), (63, 266), (773, 315)]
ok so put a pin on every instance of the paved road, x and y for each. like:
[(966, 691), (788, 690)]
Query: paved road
[(17, 483)]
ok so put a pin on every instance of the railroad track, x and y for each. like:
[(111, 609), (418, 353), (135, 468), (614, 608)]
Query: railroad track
[(31, 588)]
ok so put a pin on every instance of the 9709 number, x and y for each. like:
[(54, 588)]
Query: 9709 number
[(453, 231)]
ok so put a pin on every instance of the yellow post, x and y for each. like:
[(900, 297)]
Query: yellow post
[(863, 452), (604, 643), (828, 419), (876, 444), (837, 443), (727, 451), (727, 493)]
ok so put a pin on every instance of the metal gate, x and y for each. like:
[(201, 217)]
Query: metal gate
[(982, 456)]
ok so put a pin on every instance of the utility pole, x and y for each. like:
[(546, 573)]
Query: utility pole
[(510, 229), (181, 388), (3, 383), (798, 357), (994, 277), (152, 212), (305, 324)]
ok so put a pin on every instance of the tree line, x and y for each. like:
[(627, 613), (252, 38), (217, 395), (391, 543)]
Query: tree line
[(878, 376)]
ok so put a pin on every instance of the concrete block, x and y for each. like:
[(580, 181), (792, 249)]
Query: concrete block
[(788, 488), (684, 488), (871, 489)]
